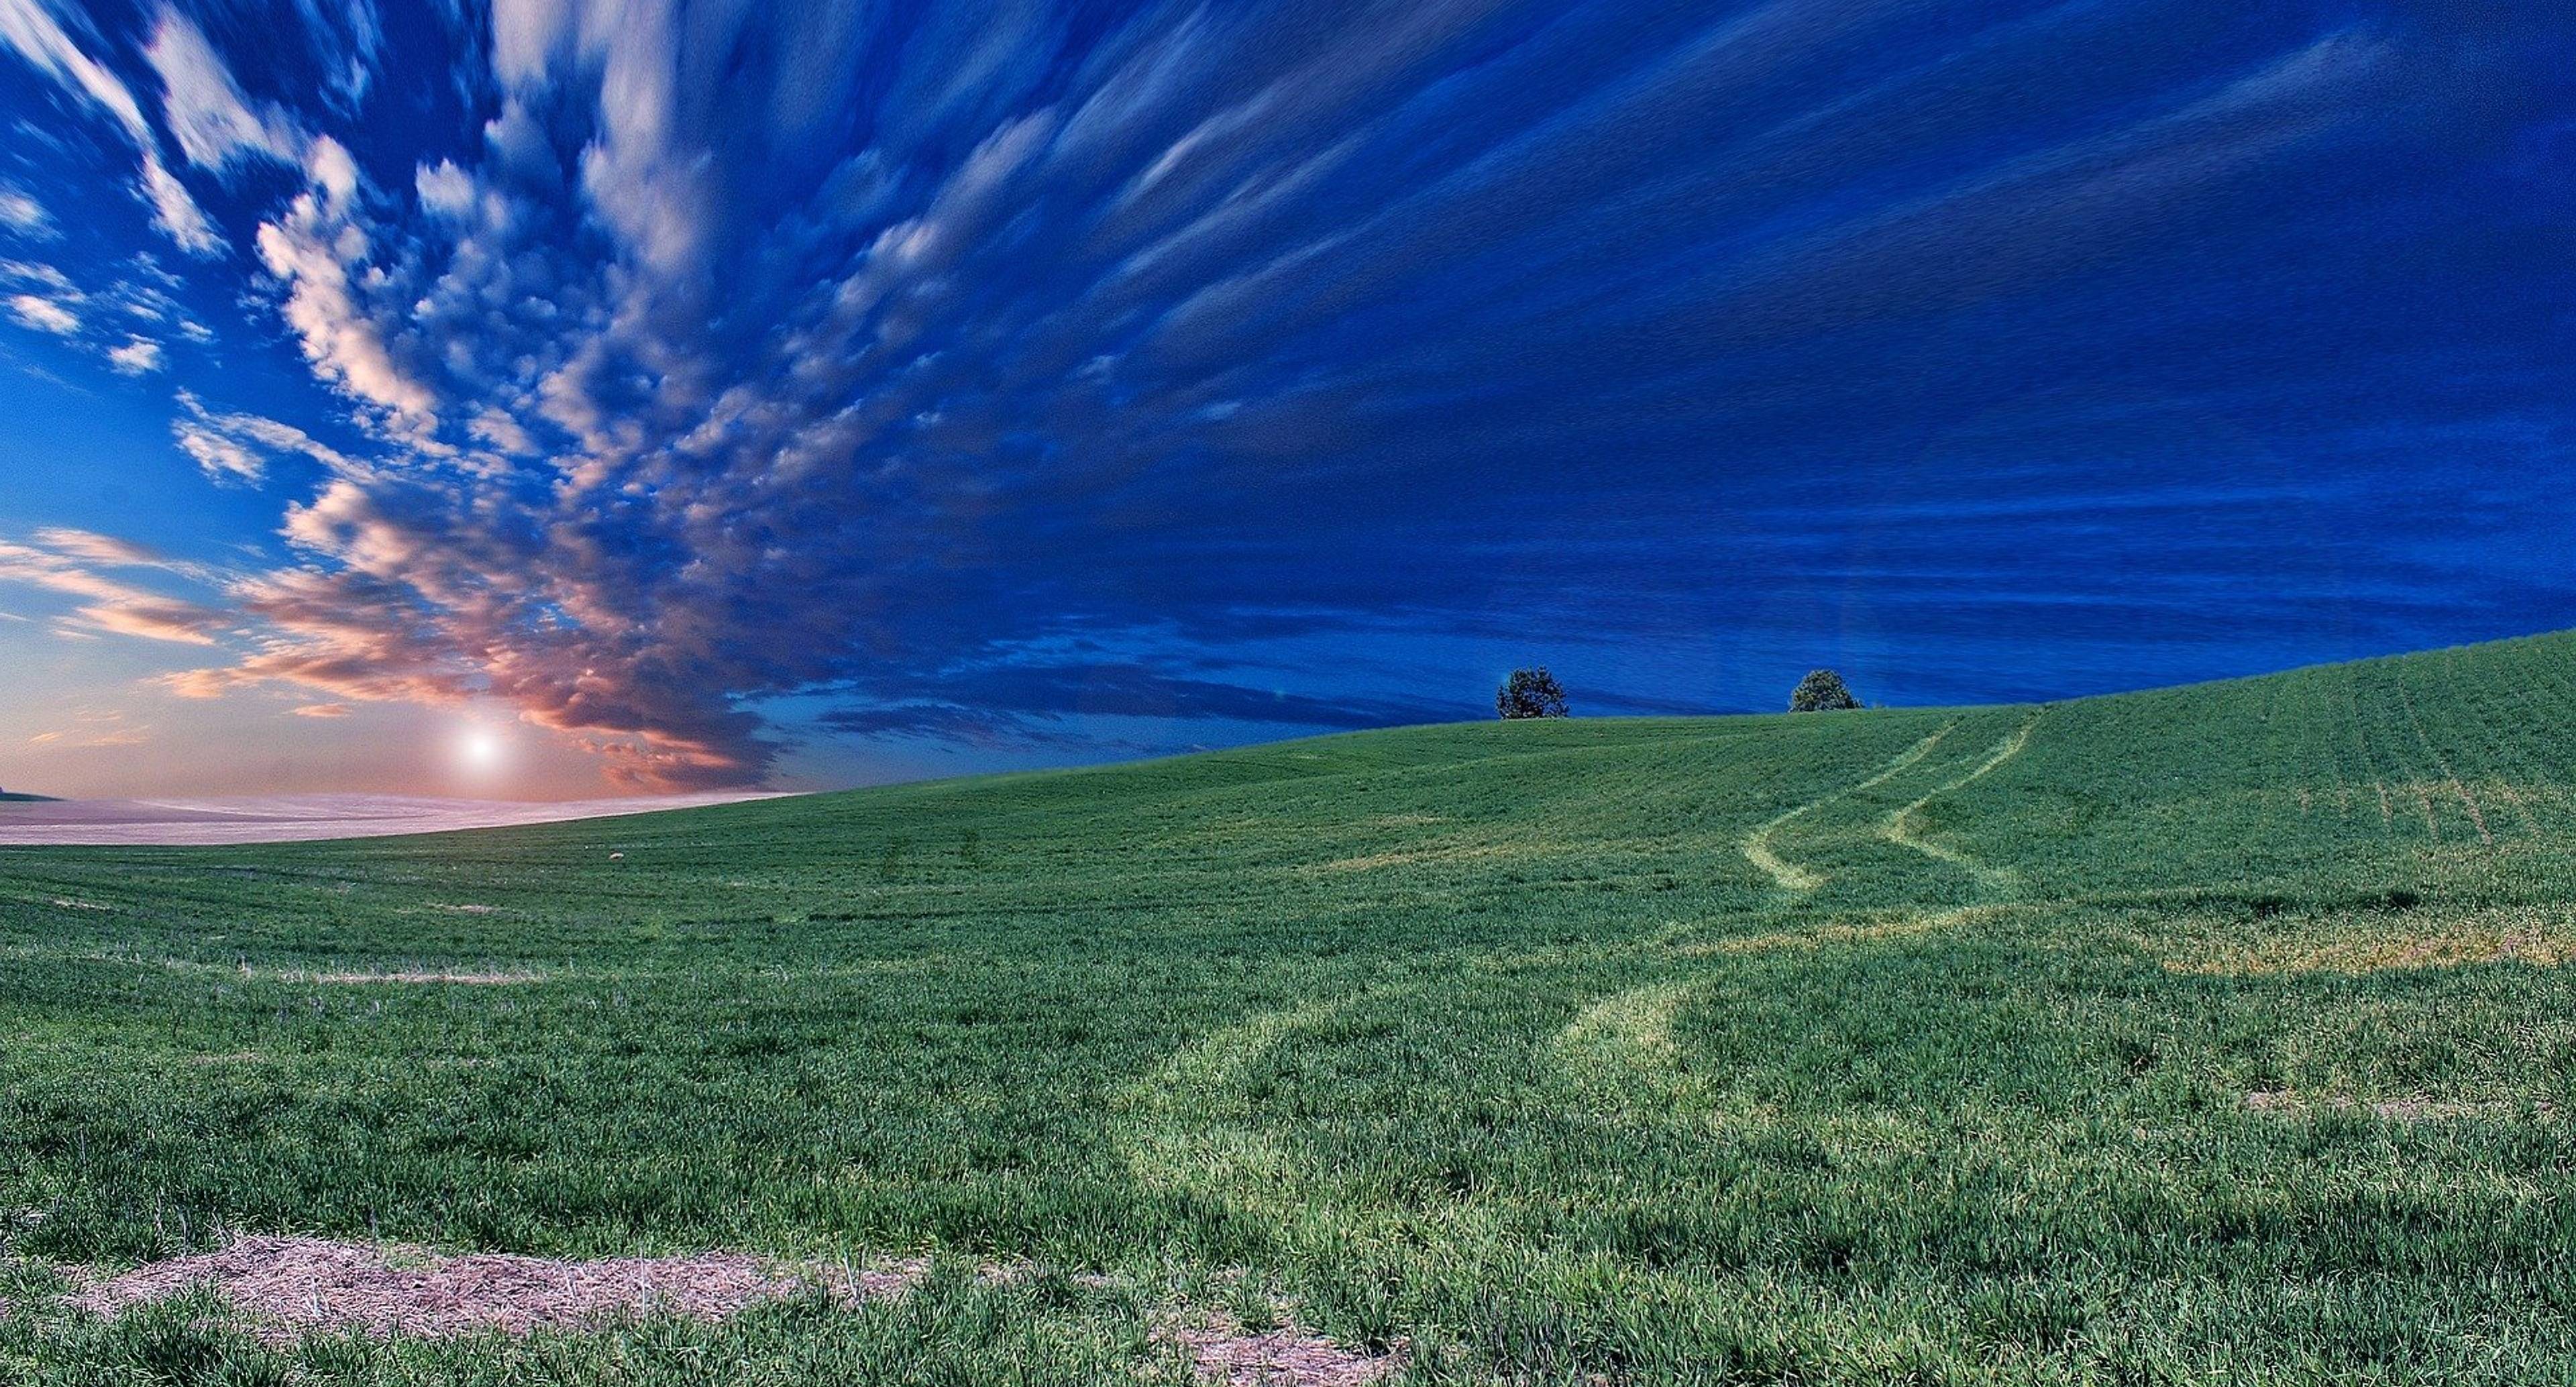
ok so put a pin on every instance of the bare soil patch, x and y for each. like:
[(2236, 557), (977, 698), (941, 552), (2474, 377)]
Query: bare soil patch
[(1227, 1352), (291, 1286)]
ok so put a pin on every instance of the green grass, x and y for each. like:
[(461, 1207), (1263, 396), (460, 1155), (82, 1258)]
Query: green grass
[(1907, 1045)]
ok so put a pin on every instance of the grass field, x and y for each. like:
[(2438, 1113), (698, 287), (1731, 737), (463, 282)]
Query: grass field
[(2212, 1034)]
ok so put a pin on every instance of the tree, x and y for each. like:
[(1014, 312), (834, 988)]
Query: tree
[(1530, 693), (1822, 691)]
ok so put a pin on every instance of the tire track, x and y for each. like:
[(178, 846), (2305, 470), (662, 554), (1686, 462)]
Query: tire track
[(2467, 800), (1900, 827), (1789, 876)]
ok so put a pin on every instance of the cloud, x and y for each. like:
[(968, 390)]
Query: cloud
[(234, 447), (204, 107), (320, 252), (1029, 703), (92, 728), (224, 460), (998, 376), (138, 357), (44, 315), (69, 562), (347, 37), (92, 547), (31, 29), (445, 190), (174, 211), (21, 213), (321, 710)]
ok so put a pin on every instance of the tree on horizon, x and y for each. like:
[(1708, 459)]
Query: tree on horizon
[(1822, 691), (1530, 693)]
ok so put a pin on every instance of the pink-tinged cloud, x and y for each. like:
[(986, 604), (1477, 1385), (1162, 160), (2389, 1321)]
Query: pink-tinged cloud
[(69, 562)]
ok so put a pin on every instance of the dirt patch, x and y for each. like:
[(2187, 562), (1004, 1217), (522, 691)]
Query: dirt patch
[(1226, 1352), (291, 1286)]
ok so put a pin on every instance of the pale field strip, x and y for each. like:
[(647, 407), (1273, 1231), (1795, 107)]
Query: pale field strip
[(2413, 1108), (244, 972), (1175, 1143), (1439, 852), (1898, 828), (482, 976), (1789, 875), (2528, 773), (2539, 936), (1904, 926)]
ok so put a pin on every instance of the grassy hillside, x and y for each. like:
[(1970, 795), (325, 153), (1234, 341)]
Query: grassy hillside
[(2208, 1034)]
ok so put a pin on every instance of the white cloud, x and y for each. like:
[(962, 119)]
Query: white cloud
[(93, 547), (525, 35), (204, 106), (313, 248), (445, 190), (328, 165), (224, 460), (502, 432), (176, 213), (235, 448), (30, 28), (20, 212), (44, 315), (138, 357), (30, 272), (345, 37)]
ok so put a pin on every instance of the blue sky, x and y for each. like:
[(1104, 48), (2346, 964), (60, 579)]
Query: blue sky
[(710, 394)]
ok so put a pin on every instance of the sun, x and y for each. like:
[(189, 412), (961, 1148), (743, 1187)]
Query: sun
[(482, 750)]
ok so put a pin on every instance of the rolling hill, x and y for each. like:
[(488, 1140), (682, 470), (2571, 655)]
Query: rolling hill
[(2204, 1034)]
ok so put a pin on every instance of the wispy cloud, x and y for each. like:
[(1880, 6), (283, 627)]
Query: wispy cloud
[(38, 36), (986, 374), (203, 106), (21, 213), (75, 563), (44, 314), (235, 448)]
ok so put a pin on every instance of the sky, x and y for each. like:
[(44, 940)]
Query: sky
[(558, 398)]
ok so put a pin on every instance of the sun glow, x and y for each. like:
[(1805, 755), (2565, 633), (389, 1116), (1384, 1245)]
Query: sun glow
[(482, 751)]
